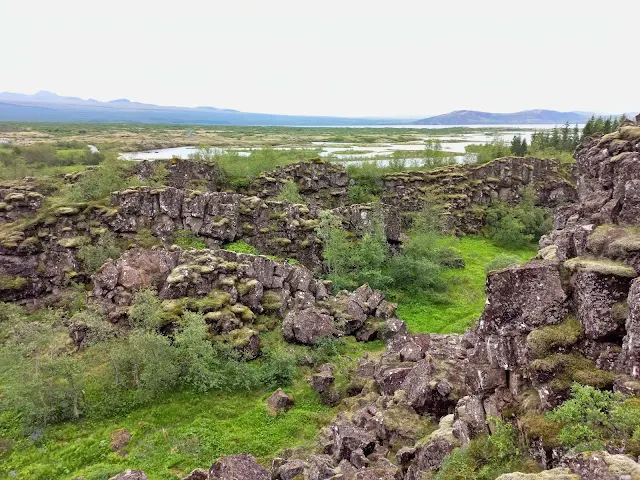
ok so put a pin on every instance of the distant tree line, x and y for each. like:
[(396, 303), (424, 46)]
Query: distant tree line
[(565, 138)]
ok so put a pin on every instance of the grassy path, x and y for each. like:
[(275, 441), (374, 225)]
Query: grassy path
[(466, 297)]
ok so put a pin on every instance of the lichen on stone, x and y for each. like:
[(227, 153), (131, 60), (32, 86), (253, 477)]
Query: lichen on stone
[(601, 265)]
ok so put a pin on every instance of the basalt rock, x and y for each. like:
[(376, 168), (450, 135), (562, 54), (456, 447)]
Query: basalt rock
[(465, 190), (429, 456), (279, 401), (238, 467), (183, 174), (320, 183), (631, 344), (17, 202), (602, 466), (308, 326), (197, 474)]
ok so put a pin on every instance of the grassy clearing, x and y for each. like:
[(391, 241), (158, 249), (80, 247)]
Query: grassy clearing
[(179, 432), (466, 299)]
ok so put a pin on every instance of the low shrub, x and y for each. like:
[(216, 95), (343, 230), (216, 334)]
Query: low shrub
[(592, 417), (290, 193), (188, 239), (503, 260), (92, 257)]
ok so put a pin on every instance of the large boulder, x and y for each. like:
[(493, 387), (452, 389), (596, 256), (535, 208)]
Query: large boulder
[(238, 467), (598, 286), (279, 401), (308, 326), (348, 438), (515, 303)]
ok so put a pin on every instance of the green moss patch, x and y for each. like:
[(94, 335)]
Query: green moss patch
[(566, 369), (271, 301), (601, 265), (543, 341), (12, 282)]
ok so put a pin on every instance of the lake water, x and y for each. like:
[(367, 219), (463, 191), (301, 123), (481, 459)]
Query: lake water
[(449, 143)]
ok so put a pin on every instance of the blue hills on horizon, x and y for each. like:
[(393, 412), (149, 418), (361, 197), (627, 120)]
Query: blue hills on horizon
[(46, 106)]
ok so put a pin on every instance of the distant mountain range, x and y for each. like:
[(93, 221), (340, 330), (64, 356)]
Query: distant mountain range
[(473, 117), (49, 107)]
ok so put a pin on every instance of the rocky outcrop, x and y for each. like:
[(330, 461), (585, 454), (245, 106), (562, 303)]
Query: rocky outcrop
[(275, 228), (18, 201), (322, 184), (182, 174), (467, 190), (238, 467), (231, 289), (602, 466)]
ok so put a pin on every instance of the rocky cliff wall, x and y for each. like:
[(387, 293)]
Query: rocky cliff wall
[(182, 174), (320, 183), (466, 190), (38, 256)]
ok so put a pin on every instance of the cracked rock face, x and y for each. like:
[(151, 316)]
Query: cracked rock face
[(462, 187)]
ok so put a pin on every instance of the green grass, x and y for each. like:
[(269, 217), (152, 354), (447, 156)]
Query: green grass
[(466, 297), (181, 432), (69, 152)]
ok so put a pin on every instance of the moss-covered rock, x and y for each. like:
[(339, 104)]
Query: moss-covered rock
[(545, 340), (601, 265)]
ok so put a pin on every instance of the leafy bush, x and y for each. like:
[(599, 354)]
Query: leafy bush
[(143, 361), (146, 310), (503, 260), (361, 194), (486, 457), (97, 184), (188, 239), (39, 153), (412, 272), (350, 263), (418, 268), (497, 148), (199, 364), (592, 417), (94, 256), (289, 193), (518, 225), (278, 368)]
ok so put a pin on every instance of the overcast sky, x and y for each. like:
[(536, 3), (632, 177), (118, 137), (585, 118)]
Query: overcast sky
[(347, 57)]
